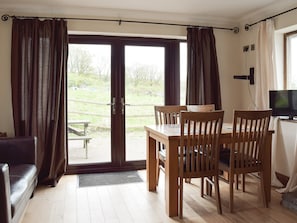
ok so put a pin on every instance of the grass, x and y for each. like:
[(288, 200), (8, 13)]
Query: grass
[(89, 98)]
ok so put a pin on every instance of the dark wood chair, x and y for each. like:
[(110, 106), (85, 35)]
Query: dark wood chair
[(201, 108), (199, 144), (167, 114), (245, 154)]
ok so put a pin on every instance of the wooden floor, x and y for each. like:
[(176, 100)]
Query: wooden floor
[(130, 203)]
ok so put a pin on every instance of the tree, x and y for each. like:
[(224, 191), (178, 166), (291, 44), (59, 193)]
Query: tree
[(140, 73), (102, 67), (79, 60)]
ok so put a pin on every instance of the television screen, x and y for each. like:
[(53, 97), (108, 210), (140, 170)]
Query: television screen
[(281, 100), (283, 103), (294, 100)]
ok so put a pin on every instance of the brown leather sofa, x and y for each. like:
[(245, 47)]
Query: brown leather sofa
[(18, 176)]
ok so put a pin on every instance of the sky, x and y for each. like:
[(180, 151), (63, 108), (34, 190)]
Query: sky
[(146, 55)]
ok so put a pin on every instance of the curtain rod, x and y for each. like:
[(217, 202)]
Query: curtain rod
[(247, 26), (5, 17)]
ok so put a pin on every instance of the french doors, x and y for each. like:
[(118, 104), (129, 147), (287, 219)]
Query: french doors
[(113, 84)]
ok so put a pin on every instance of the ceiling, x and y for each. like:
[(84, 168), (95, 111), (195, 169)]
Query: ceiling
[(201, 12)]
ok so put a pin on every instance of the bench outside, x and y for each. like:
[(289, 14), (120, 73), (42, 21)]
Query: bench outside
[(86, 140), (79, 134), (76, 131)]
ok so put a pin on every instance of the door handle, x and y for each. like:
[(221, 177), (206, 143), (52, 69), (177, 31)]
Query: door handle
[(113, 105), (123, 105)]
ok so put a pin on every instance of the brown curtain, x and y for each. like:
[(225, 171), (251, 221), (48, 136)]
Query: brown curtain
[(38, 70), (172, 76), (203, 83)]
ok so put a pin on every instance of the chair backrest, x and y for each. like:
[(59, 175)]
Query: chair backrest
[(168, 114), (199, 143), (250, 129), (201, 108)]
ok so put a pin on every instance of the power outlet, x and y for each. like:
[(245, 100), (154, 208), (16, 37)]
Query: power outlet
[(246, 48)]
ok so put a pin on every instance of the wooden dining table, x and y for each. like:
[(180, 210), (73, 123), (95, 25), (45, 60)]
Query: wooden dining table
[(169, 135)]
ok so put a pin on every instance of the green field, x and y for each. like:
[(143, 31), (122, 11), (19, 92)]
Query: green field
[(89, 94)]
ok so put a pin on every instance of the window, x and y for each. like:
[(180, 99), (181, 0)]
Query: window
[(291, 59)]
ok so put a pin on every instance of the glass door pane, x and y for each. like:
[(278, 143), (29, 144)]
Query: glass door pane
[(88, 92), (144, 88)]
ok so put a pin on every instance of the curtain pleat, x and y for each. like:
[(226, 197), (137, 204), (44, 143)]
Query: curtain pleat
[(172, 77), (265, 70), (203, 83), (38, 74)]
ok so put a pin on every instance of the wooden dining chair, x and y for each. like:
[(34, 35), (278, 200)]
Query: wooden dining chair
[(199, 144), (167, 114), (201, 108), (245, 154)]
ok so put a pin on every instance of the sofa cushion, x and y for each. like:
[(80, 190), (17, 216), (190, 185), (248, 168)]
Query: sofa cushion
[(21, 177), (26, 171), (18, 188)]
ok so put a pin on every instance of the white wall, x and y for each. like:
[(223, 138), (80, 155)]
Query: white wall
[(228, 46), (247, 60)]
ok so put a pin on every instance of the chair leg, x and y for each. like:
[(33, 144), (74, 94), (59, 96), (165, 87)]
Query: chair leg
[(209, 187), (243, 182), (181, 197), (265, 201), (218, 197), (202, 187), (188, 180), (231, 181)]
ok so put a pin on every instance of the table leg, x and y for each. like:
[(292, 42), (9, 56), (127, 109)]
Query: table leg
[(171, 178), (86, 147), (151, 162), (85, 133)]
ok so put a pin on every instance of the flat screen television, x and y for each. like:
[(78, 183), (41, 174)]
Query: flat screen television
[(283, 103)]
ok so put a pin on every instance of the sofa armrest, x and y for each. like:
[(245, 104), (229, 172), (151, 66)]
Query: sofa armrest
[(18, 150), (5, 210)]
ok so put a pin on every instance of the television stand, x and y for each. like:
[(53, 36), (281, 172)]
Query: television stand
[(288, 118)]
